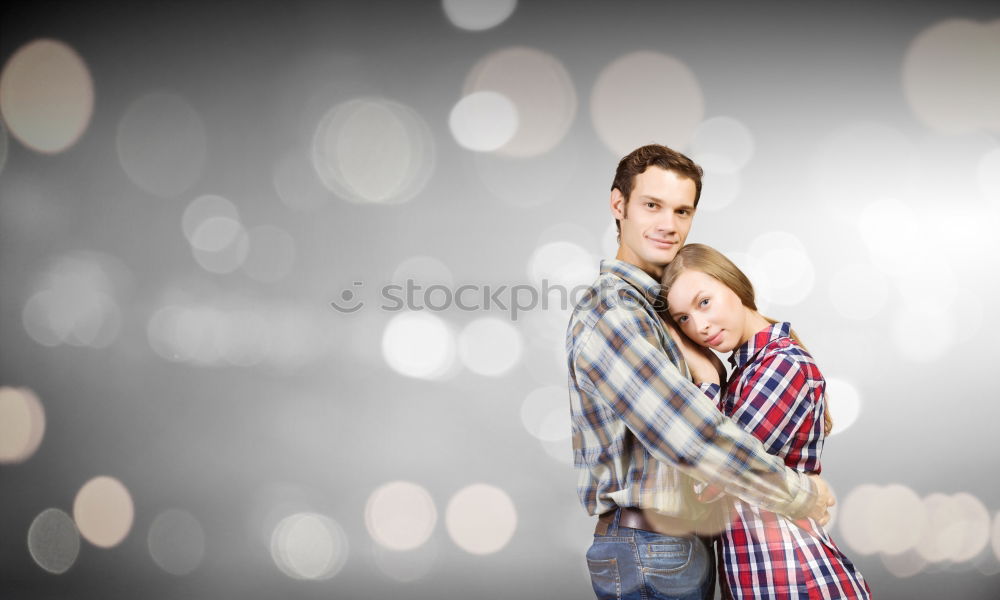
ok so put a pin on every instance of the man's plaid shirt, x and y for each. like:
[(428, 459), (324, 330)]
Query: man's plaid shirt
[(641, 429)]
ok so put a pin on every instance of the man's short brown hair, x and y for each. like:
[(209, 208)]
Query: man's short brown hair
[(653, 155)]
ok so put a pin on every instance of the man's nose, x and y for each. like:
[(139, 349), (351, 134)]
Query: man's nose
[(666, 223)]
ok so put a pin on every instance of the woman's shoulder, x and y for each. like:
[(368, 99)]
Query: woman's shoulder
[(786, 349)]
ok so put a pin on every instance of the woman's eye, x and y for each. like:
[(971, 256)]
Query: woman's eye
[(682, 319), (704, 302)]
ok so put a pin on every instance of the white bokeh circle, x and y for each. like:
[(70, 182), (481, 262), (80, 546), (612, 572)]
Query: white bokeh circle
[(646, 97), (540, 90), (490, 346), (400, 515), (483, 121), (481, 519), (478, 15), (418, 344)]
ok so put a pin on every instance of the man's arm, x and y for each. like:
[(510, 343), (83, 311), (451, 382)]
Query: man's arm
[(624, 363)]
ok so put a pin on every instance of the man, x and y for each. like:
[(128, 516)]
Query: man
[(643, 434)]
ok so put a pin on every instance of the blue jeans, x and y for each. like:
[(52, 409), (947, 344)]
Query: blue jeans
[(634, 564)]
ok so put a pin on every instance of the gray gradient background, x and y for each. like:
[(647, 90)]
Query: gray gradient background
[(212, 440)]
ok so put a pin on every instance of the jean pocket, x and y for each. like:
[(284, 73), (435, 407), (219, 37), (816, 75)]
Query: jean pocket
[(666, 556), (605, 578), (674, 568)]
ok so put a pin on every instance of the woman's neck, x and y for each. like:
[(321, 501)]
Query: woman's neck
[(754, 323)]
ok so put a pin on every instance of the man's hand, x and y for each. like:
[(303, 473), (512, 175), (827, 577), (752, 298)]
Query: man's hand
[(824, 500)]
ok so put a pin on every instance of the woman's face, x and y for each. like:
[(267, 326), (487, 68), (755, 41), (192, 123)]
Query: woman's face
[(709, 312)]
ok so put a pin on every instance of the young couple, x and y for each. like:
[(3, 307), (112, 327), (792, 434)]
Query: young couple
[(646, 438)]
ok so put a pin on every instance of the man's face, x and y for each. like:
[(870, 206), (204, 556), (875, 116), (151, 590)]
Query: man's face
[(655, 219)]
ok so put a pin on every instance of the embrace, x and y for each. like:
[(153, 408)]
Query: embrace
[(679, 461)]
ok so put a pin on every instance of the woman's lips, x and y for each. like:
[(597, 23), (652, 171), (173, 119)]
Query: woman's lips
[(715, 339)]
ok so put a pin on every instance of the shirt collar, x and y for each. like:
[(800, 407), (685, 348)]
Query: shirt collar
[(635, 277), (755, 344)]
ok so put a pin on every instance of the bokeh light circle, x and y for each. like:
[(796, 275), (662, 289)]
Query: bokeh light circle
[(545, 413), (75, 301), (490, 346), (789, 271), (858, 513), (722, 145), (720, 190), (905, 564), (483, 121), (203, 208), (901, 519), (309, 546), (220, 245), (646, 97), (215, 234), (481, 519), (22, 424), (418, 344), (945, 533), (975, 528), (162, 144), (843, 402), (478, 15), (950, 76), (400, 515), (103, 511), (562, 264), (53, 541), (373, 150), (540, 90), (46, 96), (176, 541)]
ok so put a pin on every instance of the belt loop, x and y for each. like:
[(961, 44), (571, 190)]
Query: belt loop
[(613, 530)]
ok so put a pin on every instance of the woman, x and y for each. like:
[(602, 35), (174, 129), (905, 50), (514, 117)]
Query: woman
[(776, 392)]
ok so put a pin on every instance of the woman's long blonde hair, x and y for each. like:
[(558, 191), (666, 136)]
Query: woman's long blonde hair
[(711, 262)]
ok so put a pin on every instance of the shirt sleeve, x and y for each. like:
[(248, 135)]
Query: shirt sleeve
[(623, 362), (775, 402), (712, 390)]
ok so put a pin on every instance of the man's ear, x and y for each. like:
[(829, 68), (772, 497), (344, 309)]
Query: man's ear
[(617, 204)]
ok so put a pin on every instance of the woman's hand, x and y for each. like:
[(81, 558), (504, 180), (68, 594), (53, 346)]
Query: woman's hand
[(705, 366)]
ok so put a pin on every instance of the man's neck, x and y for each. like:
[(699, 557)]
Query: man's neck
[(654, 271)]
